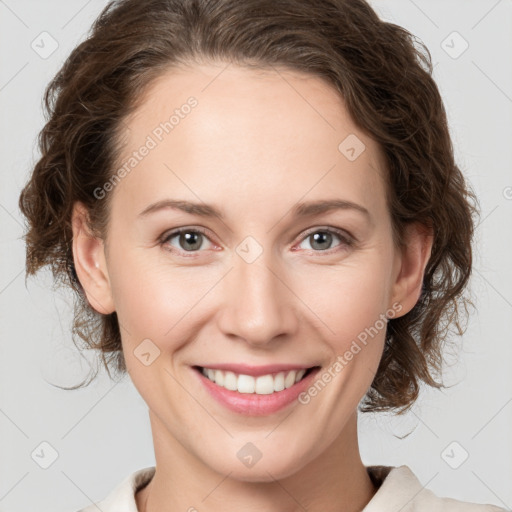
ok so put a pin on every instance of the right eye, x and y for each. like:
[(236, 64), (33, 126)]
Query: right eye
[(188, 239)]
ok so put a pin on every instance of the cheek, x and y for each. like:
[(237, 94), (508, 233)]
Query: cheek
[(156, 301), (348, 298)]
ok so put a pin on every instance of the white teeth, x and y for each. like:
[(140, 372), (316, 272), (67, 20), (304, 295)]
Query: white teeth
[(279, 382), (230, 381), (289, 381), (262, 385), (219, 377), (246, 384), (300, 374)]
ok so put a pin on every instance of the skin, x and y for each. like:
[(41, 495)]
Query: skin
[(258, 143)]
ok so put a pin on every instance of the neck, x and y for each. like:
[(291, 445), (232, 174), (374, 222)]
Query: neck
[(335, 479)]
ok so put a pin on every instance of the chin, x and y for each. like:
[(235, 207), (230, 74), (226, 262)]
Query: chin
[(273, 468)]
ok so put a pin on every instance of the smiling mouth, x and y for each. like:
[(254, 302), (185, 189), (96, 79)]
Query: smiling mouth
[(261, 385)]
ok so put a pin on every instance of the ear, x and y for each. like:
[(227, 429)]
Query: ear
[(410, 266), (90, 262)]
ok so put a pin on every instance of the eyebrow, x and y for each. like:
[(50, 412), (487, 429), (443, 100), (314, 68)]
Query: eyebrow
[(299, 210)]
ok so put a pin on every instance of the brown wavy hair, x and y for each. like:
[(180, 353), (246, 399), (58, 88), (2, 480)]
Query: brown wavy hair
[(382, 71)]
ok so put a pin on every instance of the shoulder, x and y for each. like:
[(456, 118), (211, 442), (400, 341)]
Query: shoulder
[(122, 497), (400, 489)]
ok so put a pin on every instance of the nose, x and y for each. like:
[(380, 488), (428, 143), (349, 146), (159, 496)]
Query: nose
[(258, 304)]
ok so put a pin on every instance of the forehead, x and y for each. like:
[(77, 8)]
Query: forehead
[(249, 130)]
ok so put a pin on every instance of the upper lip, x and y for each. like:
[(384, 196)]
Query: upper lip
[(256, 371)]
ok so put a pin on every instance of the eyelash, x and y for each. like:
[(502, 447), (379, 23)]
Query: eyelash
[(347, 241)]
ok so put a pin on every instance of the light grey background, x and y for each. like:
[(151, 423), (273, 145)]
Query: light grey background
[(101, 433)]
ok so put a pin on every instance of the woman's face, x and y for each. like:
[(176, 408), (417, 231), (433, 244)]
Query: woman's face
[(271, 280)]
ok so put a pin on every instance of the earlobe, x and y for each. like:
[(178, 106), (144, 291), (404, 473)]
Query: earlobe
[(90, 262), (412, 263)]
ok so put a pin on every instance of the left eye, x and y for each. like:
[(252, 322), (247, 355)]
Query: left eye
[(321, 239)]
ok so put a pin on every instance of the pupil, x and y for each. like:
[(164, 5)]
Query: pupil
[(320, 237), (190, 239)]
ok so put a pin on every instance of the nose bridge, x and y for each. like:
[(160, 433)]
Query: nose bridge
[(259, 305)]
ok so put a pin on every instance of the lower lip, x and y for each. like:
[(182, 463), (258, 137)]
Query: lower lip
[(252, 404)]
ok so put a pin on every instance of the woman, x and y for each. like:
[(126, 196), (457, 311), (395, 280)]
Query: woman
[(197, 156)]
